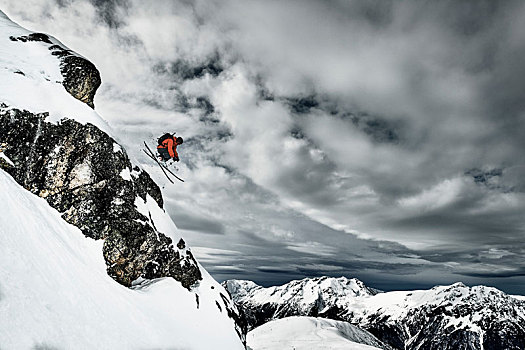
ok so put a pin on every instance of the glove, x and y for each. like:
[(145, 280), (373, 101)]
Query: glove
[(176, 159)]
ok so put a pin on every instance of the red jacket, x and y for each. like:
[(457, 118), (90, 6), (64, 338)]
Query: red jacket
[(171, 145)]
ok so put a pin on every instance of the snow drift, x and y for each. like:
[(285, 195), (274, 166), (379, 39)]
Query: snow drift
[(307, 333)]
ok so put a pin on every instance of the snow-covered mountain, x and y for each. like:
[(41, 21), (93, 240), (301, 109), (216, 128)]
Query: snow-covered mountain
[(308, 297), (99, 220), (307, 333), (444, 317)]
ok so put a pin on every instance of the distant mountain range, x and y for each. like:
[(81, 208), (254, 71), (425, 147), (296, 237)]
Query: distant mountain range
[(443, 317)]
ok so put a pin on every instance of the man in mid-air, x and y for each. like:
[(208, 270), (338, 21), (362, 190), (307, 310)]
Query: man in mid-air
[(167, 147)]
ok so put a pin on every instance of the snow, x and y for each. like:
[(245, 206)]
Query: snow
[(399, 304), (125, 174), (55, 293), (30, 79), (464, 306), (307, 333), (160, 219), (519, 297), (303, 294), (81, 175), (117, 148), (241, 288), (4, 157)]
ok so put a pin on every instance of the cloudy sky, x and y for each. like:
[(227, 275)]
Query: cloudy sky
[(371, 139)]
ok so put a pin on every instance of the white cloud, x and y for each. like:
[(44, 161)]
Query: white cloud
[(441, 195), (313, 248)]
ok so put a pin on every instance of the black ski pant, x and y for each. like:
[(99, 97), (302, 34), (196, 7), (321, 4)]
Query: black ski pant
[(164, 153)]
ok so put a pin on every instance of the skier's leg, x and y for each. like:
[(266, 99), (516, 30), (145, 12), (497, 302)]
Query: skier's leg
[(163, 152)]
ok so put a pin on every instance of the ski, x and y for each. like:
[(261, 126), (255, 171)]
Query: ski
[(171, 172), (161, 168), (164, 167)]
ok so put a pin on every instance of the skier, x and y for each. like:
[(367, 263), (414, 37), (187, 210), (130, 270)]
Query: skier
[(167, 147), (167, 152)]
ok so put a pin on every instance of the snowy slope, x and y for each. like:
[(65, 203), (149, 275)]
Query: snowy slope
[(307, 333), (55, 293)]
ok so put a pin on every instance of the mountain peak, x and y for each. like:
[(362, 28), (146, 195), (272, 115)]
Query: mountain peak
[(309, 296)]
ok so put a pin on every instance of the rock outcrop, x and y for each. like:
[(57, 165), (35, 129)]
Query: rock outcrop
[(84, 174), (87, 176), (81, 77)]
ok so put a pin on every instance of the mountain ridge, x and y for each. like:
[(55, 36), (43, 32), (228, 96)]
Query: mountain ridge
[(443, 317)]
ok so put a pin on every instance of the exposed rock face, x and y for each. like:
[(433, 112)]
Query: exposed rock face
[(81, 77), (445, 317), (87, 177)]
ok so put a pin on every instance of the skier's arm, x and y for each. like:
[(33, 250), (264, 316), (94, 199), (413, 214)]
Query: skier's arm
[(171, 148)]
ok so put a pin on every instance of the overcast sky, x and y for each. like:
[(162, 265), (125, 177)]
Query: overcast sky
[(371, 139)]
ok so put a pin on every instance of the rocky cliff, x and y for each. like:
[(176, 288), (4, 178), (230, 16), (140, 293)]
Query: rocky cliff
[(61, 151), (87, 176), (83, 173)]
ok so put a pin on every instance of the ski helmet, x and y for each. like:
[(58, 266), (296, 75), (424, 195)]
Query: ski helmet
[(180, 140)]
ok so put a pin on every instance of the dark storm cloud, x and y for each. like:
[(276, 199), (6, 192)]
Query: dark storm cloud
[(497, 274), (355, 267), (357, 258), (302, 105), (379, 129), (456, 220), (196, 223), (503, 262), (184, 70), (484, 177), (110, 12)]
